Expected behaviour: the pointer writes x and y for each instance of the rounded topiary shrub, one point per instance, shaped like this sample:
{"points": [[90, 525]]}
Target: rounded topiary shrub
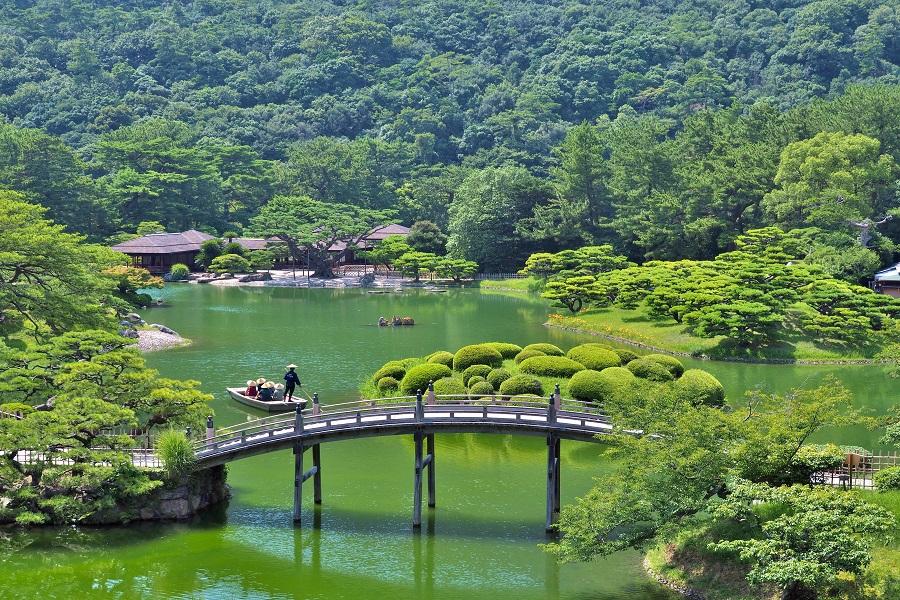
{"points": [[626, 356], [179, 272], [474, 379], [474, 370], [477, 354], [672, 364], [441, 357], [526, 354], [887, 480], [449, 386], [647, 369], [497, 377], [600, 386], [418, 377], [548, 349], [551, 366], [387, 384], [699, 387], [505, 349], [518, 385], [393, 368], [481, 389], [594, 357]]}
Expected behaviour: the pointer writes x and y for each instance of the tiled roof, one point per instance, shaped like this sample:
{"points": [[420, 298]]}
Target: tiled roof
{"points": [[252, 243], [164, 243], [376, 235]]}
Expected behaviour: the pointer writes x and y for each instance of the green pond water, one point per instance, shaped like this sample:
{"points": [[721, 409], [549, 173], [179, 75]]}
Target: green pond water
{"points": [[480, 542]]}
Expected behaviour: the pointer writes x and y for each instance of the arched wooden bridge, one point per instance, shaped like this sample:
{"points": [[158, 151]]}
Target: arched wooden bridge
{"points": [[421, 417]]}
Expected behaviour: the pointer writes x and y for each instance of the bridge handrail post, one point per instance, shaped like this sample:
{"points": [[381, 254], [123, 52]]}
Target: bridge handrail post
{"points": [[298, 418], [551, 409], [431, 397], [316, 408], [420, 410], [210, 429], [557, 397]]}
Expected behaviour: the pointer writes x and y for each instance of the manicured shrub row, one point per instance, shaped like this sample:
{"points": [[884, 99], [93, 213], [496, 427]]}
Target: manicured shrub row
{"points": [[393, 369], [475, 379], [526, 354], [600, 386], [594, 357], [497, 377], [481, 389], [887, 480], [387, 384], [551, 366], [505, 349], [418, 377], [476, 354], [648, 369], [699, 387], [518, 385], [672, 364], [442, 357], [548, 349], [480, 370], [449, 386]]}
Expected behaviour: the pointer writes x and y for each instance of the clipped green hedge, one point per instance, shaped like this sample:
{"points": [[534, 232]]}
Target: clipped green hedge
{"points": [[672, 364], [393, 368], [888, 479], [505, 349], [449, 386], [475, 379], [474, 370], [600, 386], [548, 349], [699, 387], [594, 357], [551, 366], [418, 377], [521, 384], [387, 384], [476, 354], [648, 369], [497, 377], [625, 355], [526, 354], [481, 389], [441, 357]]}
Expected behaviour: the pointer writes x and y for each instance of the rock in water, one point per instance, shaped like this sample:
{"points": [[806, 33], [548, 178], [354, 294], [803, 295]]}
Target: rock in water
{"points": [[163, 329]]}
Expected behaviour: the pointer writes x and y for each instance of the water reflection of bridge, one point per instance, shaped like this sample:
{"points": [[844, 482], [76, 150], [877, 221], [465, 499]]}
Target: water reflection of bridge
{"points": [[421, 417]]}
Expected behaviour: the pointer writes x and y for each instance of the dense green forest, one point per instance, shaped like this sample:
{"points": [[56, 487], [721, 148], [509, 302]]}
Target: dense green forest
{"points": [[666, 129]]}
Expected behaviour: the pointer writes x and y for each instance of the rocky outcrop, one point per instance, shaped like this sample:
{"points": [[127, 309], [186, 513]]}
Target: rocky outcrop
{"points": [[174, 501], [262, 276]]}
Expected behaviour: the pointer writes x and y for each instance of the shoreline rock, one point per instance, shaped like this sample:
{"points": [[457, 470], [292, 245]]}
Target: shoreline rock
{"points": [[687, 592], [153, 340]]}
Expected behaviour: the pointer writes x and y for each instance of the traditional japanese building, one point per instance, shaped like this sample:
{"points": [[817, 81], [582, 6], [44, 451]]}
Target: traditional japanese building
{"points": [[157, 252]]}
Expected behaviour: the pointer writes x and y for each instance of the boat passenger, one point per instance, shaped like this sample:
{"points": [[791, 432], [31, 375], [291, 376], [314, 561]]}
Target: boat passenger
{"points": [[267, 393], [259, 384], [279, 392], [251, 389], [382, 322]]}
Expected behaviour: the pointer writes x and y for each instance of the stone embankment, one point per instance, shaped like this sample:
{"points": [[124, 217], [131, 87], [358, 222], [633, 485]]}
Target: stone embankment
{"points": [[152, 337]]}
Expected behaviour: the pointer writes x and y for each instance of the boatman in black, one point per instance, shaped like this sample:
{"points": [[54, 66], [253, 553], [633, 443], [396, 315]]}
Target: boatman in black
{"points": [[291, 380]]}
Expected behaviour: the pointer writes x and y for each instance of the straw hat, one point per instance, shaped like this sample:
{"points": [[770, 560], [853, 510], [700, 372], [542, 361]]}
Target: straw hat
{"points": [[251, 382], [279, 386], [269, 384], [261, 380], [292, 366]]}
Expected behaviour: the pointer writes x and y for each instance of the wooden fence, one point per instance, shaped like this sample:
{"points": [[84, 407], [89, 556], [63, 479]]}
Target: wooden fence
{"points": [[858, 471]]}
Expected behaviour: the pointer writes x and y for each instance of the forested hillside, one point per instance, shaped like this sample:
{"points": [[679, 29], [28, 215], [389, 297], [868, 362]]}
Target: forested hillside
{"points": [[460, 112]]}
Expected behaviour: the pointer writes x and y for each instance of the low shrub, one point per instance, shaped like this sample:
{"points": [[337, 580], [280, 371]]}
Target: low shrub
{"points": [[481, 389], [699, 387], [481, 370], [229, 263], [548, 349], [442, 357], [626, 356], [497, 377], [672, 364], [810, 459], [888, 479], [505, 349], [475, 379], [526, 354], [392, 368], [387, 384], [176, 452], [449, 386], [647, 369], [521, 384], [179, 272], [594, 357], [418, 377], [476, 354], [600, 386], [551, 366]]}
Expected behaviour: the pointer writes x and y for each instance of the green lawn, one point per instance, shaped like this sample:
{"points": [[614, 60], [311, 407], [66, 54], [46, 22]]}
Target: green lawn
{"points": [[637, 327], [527, 286]]}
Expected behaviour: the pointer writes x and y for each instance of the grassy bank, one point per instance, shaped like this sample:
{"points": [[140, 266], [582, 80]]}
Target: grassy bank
{"points": [[637, 327], [521, 287], [687, 563]]}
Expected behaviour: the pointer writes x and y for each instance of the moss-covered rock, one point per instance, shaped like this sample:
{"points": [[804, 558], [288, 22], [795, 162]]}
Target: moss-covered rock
{"points": [[674, 366], [521, 384], [476, 354], [548, 349], [594, 357], [650, 370], [551, 366], [699, 387], [474, 370], [505, 349], [418, 377], [441, 357]]}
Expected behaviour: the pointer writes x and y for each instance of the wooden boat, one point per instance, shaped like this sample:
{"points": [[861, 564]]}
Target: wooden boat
{"points": [[279, 406]]}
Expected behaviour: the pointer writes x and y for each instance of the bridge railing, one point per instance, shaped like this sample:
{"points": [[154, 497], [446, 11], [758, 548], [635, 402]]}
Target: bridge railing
{"points": [[359, 410]]}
